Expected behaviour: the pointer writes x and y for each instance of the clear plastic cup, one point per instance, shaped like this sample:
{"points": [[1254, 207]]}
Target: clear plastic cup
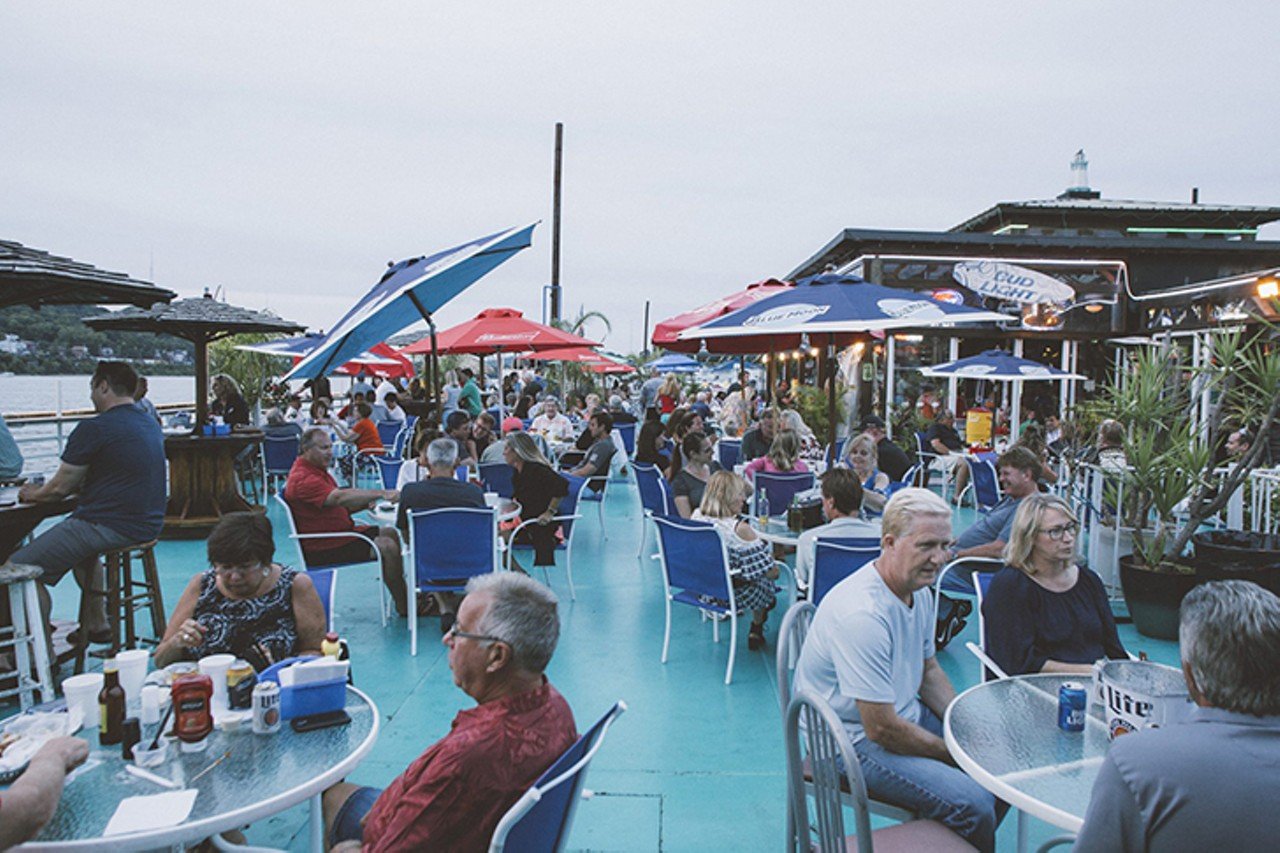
{"points": [[144, 757]]}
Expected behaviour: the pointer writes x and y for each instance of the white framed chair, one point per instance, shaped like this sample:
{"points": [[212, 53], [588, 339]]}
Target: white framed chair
{"points": [[567, 517], [695, 563], [820, 762], [384, 599]]}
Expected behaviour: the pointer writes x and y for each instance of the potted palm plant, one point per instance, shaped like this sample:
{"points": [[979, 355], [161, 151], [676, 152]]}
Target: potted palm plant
{"points": [[1172, 484]]}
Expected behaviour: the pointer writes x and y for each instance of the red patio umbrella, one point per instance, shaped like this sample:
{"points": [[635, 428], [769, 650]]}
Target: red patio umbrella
{"points": [[389, 364], [590, 359], [498, 330], [664, 334]]}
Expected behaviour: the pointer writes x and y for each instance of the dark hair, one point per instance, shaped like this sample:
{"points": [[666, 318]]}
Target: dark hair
{"points": [[363, 409], [691, 444], [842, 487], [522, 407], [1021, 458], [241, 538], [455, 420], [487, 419], [675, 423], [603, 418], [427, 433], [392, 395], [120, 377]]}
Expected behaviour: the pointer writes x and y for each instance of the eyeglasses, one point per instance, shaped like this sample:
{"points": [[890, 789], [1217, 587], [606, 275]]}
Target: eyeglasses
{"points": [[453, 633], [1056, 533]]}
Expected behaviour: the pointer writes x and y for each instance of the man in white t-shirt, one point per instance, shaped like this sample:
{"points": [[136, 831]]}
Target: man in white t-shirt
{"points": [[842, 505], [870, 654]]}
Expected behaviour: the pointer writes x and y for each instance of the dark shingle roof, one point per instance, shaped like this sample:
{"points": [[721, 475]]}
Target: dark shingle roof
{"points": [[186, 318], [33, 277]]}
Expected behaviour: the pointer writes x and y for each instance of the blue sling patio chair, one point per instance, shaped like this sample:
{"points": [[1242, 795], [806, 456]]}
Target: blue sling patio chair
{"points": [[389, 431], [566, 516], [779, 489], [627, 432], [655, 497], [984, 483], [384, 599], [541, 819], [728, 451], [279, 452], [389, 469], [695, 572], [448, 547], [834, 559], [497, 477]]}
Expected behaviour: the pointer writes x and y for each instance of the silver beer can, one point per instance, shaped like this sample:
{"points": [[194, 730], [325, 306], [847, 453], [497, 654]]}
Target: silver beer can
{"points": [[266, 708]]}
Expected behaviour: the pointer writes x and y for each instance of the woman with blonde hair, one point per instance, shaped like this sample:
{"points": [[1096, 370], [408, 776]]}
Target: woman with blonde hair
{"points": [[862, 456], [783, 457], [538, 489], [1042, 611], [750, 557], [668, 394]]}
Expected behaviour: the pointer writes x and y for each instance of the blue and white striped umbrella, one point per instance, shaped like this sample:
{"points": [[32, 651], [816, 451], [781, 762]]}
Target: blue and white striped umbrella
{"points": [[408, 292], [998, 365], [674, 362]]}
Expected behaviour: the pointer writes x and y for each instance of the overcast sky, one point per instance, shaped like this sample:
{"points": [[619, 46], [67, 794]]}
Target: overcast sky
{"points": [[286, 151]]}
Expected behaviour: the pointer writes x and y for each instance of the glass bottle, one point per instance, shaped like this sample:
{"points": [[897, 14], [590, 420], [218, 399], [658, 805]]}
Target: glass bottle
{"points": [[110, 706]]}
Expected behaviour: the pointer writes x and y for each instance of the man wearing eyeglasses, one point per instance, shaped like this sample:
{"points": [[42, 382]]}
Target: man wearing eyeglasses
{"points": [[453, 795]]}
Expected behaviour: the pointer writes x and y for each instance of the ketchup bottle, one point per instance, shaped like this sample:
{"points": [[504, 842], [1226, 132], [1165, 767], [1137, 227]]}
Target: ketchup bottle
{"points": [[192, 714]]}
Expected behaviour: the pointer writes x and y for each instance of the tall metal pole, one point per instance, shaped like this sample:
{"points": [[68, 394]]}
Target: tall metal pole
{"points": [[555, 226], [644, 345]]}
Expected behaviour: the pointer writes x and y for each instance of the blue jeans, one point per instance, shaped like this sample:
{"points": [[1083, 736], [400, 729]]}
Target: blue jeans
{"points": [[930, 788], [347, 824]]}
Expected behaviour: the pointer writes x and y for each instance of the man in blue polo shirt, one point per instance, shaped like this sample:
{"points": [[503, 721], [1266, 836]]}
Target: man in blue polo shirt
{"points": [[115, 463]]}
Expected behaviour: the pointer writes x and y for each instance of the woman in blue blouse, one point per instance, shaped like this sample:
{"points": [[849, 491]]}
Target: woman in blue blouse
{"points": [[1042, 612], [864, 459]]}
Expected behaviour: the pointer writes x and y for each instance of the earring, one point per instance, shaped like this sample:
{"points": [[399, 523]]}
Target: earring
{"points": [[266, 572]]}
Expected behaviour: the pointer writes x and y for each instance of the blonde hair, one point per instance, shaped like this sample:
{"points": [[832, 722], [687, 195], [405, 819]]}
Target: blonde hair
{"points": [[784, 450], [908, 504], [724, 494], [863, 440], [1026, 524], [670, 386], [523, 446]]}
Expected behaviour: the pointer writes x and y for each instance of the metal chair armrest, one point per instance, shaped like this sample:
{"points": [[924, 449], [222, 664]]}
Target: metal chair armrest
{"points": [[985, 660]]}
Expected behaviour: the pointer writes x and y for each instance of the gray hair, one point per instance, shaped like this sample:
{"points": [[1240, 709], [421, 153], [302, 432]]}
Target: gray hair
{"points": [[523, 614], [442, 453], [908, 504], [309, 438], [1230, 638], [275, 417]]}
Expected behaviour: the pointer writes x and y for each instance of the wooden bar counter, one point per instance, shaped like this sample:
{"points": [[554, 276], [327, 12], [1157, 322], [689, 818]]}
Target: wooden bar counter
{"points": [[202, 481]]}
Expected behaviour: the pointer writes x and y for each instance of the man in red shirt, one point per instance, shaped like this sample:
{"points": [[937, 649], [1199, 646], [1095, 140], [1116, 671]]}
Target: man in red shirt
{"points": [[319, 506], [454, 794]]}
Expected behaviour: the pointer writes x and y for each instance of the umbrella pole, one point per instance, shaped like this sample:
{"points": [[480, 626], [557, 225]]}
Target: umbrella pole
{"points": [[433, 371], [202, 382], [831, 393]]}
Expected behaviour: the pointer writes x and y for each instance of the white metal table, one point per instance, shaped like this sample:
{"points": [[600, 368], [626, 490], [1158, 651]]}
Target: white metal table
{"points": [[1005, 735], [262, 776]]}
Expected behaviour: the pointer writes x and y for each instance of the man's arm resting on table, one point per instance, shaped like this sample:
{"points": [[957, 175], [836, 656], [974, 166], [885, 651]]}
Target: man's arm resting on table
{"points": [[936, 691], [64, 482], [886, 728], [31, 801], [358, 499]]}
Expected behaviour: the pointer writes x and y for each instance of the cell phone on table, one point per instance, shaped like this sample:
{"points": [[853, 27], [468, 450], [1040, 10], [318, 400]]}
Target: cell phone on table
{"points": [[315, 722]]}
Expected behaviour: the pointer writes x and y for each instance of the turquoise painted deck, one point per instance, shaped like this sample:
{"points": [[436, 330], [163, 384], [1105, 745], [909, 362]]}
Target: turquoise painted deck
{"points": [[693, 764]]}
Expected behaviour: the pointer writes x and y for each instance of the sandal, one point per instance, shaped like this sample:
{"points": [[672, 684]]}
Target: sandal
{"points": [[755, 637]]}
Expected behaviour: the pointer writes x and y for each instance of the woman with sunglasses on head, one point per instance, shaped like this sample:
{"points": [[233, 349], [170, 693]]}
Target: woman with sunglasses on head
{"points": [[1042, 611], [244, 604]]}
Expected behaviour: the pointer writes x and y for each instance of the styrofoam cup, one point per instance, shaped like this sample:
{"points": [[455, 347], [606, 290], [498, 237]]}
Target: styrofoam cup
{"points": [[216, 666], [82, 697], [491, 498], [132, 665]]}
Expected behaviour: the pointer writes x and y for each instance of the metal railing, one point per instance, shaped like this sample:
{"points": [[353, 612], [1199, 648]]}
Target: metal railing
{"points": [[42, 436]]}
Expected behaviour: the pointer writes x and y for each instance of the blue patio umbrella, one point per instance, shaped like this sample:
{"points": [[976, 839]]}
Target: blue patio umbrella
{"points": [[674, 362], [409, 291], [1000, 366], [834, 305], [837, 304]]}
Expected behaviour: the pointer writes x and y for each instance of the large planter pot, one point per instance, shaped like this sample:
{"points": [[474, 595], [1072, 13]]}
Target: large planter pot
{"points": [[1222, 555], [1154, 597]]}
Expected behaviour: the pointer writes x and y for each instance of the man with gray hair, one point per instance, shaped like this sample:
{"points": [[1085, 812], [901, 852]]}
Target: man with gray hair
{"points": [[870, 654], [453, 795], [1208, 782]]}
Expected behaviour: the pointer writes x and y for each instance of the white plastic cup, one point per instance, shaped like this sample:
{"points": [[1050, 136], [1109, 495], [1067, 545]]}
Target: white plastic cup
{"points": [[150, 705], [492, 498], [82, 697], [132, 665], [216, 666]]}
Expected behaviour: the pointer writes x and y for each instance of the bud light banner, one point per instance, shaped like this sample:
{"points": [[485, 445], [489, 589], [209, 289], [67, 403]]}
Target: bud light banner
{"points": [[1011, 283]]}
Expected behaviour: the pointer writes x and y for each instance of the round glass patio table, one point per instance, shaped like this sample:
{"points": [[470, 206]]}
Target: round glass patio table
{"points": [[263, 776], [386, 516], [775, 531], [1005, 735]]}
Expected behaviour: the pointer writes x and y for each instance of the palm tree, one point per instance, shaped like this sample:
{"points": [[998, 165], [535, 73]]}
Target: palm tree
{"points": [[574, 376]]}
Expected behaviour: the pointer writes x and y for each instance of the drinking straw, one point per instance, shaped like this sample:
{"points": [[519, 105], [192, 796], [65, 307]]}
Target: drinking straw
{"points": [[160, 730]]}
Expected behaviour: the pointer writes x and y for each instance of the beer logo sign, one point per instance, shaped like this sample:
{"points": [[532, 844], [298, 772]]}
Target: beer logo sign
{"points": [[915, 309], [801, 312], [1010, 282], [496, 338]]}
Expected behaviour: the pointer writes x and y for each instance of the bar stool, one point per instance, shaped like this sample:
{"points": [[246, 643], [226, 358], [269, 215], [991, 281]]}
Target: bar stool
{"points": [[125, 595], [27, 635]]}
